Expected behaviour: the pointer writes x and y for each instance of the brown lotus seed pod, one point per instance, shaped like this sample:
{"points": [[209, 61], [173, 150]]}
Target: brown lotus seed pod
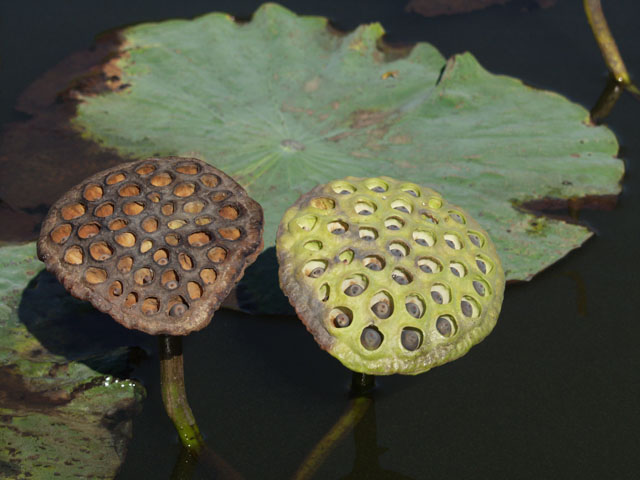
{"points": [[131, 240], [388, 276]]}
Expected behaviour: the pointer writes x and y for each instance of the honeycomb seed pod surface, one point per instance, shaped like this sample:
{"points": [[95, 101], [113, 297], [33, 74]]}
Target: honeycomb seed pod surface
{"points": [[387, 275], [157, 244]]}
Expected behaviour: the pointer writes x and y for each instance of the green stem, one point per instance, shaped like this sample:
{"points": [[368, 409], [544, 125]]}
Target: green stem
{"points": [[608, 47], [606, 101], [174, 395], [361, 388]]}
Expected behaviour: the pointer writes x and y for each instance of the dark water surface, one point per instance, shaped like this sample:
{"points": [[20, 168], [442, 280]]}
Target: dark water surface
{"points": [[553, 392]]}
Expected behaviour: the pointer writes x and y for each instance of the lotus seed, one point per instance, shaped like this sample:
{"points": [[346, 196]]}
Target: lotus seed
{"points": [[342, 320], [450, 243], [422, 241], [402, 209], [354, 290], [396, 252], [426, 268], [338, 231], [474, 239], [482, 266], [382, 309], [316, 272], [171, 284], [479, 287], [400, 278], [371, 338], [466, 307], [393, 226], [413, 309], [378, 189], [412, 193], [410, 339], [437, 297], [455, 271], [178, 309], [456, 217], [443, 325]]}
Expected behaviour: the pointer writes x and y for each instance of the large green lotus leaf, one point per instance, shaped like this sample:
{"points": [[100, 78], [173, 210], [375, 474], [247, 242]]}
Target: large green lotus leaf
{"points": [[283, 103], [58, 418]]}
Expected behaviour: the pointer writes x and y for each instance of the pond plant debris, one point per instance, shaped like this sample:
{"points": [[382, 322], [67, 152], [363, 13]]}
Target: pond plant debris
{"points": [[157, 244]]}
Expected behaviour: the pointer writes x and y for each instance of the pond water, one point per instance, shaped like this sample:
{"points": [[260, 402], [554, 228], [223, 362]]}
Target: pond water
{"points": [[553, 392]]}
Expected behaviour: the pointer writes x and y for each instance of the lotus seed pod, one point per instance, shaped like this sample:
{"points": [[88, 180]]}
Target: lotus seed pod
{"points": [[157, 244], [388, 276]]}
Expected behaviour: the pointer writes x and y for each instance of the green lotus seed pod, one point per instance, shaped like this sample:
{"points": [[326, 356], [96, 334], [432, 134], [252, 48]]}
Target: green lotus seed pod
{"points": [[387, 275]]}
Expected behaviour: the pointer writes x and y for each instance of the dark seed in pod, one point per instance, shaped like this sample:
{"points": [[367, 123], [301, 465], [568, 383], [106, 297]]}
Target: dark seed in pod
{"points": [[412, 193], [426, 268], [171, 284], [338, 231], [393, 227], [443, 325], [375, 266], [456, 217], [163, 261], [367, 237], [353, 290], [454, 271], [450, 244], [410, 339], [365, 212], [316, 272], [437, 297], [479, 287], [344, 192], [178, 309], [482, 266], [396, 252], [342, 320], [371, 338], [475, 240], [413, 310], [402, 209], [378, 189], [382, 309], [422, 241], [466, 308], [401, 279]]}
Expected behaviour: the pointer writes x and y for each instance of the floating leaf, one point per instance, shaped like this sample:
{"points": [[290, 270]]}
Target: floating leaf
{"points": [[58, 418]]}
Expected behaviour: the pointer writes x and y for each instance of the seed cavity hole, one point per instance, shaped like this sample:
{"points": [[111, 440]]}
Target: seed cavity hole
{"points": [[402, 206], [125, 264], [371, 338], [95, 275], [476, 239], [177, 307], [168, 209], [374, 263], [469, 307], [367, 233], [453, 241], [73, 255], [401, 277], [93, 192], [204, 220], [307, 222], [150, 306], [458, 269], [434, 203], [346, 257], [194, 290], [208, 275], [480, 287], [176, 224], [230, 233], [315, 268], [483, 264], [185, 261], [209, 180], [118, 224], [61, 233], [161, 257], [229, 212], [100, 251], [145, 169], [323, 203], [220, 196], [313, 245], [126, 239], [115, 289], [104, 210], [133, 208], [381, 304], [130, 190], [73, 211], [161, 179], [188, 168], [412, 190], [365, 208], [430, 218], [150, 224], [376, 185], [457, 217], [393, 223], [195, 206], [115, 178], [343, 188], [338, 227], [217, 254], [131, 300], [324, 292], [424, 238], [185, 189], [415, 306], [143, 276], [170, 280], [440, 294], [398, 249], [172, 239], [354, 286], [145, 246], [199, 239], [429, 265]]}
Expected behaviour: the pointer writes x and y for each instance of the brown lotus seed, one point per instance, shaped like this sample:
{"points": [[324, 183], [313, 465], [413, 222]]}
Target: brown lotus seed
{"points": [[167, 209], [229, 233], [117, 224], [89, 230], [104, 210], [195, 206], [144, 276], [208, 276], [145, 169], [130, 190], [161, 257], [194, 290], [210, 180], [150, 306], [125, 264], [161, 180], [115, 289], [95, 275], [74, 255], [187, 168], [93, 192], [131, 300], [150, 224], [217, 254], [184, 189], [199, 239], [61, 234], [186, 262], [115, 178], [100, 251], [133, 208], [126, 239]]}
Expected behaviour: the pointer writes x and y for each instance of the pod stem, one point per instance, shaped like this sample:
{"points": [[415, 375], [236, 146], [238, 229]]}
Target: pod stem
{"points": [[361, 388], [174, 395], [607, 44]]}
